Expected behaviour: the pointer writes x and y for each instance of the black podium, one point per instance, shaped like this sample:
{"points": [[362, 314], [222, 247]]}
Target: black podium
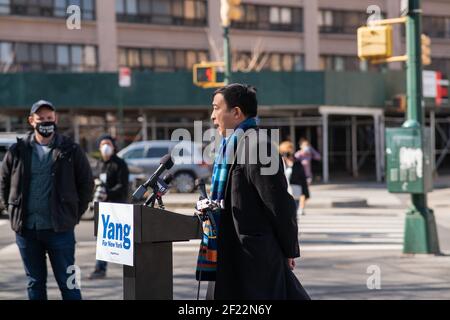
{"points": [[151, 277]]}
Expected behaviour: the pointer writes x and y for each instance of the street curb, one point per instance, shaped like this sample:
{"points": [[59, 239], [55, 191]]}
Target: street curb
{"points": [[327, 205]]}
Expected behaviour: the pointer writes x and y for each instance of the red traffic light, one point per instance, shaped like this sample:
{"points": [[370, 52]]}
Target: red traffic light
{"points": [[205, 74]]}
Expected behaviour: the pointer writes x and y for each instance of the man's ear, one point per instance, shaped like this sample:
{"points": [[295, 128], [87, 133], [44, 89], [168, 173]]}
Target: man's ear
{"points": [[56, 118], [238, 112], [31, 120]]}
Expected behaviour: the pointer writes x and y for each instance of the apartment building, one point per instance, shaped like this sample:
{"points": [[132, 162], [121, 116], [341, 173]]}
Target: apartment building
{"points": [[172, 35]]}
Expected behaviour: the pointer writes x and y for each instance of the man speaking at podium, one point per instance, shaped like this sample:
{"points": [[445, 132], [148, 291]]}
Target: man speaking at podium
{"points": [[255, 230]]}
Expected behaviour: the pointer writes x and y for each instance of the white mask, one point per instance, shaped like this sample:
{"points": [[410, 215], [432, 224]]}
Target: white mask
{"points": [[106, 150]]}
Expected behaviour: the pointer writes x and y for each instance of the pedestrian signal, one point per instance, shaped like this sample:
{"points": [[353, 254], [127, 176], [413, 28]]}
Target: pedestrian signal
{"points": [[375, 42], [205, 74]]}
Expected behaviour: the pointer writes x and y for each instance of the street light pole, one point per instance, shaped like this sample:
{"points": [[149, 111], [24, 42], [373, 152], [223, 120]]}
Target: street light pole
{"points": [[420, 225], [227, 54]]}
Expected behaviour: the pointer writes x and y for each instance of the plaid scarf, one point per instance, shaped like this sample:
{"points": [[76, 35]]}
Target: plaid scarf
{"points": [[207, 258]]}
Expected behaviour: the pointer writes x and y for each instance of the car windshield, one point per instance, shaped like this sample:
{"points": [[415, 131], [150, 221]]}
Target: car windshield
{"points": [[136, 153], [157, 152]]}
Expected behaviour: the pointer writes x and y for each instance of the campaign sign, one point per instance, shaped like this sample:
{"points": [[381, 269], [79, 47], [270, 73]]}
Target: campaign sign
{"points": [[115, 233]]}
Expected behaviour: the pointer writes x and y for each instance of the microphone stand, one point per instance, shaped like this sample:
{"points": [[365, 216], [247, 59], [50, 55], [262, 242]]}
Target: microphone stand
{"points": [[150, 202]]}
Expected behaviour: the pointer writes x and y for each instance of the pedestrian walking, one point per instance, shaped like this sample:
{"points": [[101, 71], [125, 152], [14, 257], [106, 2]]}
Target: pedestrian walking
{"points": [[306, 155], [46, 185], [294, 172]]}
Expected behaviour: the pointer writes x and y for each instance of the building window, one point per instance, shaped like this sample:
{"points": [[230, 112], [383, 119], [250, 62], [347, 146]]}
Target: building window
{"points": [[22, 57], [268, 61], [47, 8], [436, 27], [160, 60], [338, 21], [345, 63], [276, 18], [440, 64], [6, 56], [165, 12]]}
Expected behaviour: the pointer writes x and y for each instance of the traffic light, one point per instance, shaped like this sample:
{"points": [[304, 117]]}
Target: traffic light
{"points": [[426, 50], [230, 10], [375, 42], [205, 74]]}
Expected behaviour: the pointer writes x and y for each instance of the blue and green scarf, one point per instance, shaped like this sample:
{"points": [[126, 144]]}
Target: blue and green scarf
{"points": [[207, 258]]}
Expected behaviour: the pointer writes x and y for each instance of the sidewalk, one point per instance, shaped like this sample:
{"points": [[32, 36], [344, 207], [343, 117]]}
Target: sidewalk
{"points": [[322, 196], [340, 272]]}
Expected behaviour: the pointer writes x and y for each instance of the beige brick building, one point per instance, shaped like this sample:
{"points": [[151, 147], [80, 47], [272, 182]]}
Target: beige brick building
{"points": [[172, 35], [165, 35]]}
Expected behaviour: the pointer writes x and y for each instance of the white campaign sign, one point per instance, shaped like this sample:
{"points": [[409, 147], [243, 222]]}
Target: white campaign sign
{"points": [[115, 233], [429, 84]]}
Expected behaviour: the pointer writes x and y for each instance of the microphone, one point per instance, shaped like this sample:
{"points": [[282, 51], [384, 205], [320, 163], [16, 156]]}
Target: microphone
{"points": [[160, 189], [166, 163], [202, 189], [163, 184]]}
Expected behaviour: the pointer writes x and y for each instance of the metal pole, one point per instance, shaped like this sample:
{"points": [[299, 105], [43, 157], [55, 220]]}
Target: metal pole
{"points": [[348, 147], [354, 148], [433, 140], [382, 146], [76, 128], [376, 123], [292, 130], [227, 54], [420, 227], [325, 147], [120, 139], [144, 127]]}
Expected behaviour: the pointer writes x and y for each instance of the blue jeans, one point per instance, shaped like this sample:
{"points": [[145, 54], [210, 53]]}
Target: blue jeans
{"points": [[60, 247], [101, 265]]}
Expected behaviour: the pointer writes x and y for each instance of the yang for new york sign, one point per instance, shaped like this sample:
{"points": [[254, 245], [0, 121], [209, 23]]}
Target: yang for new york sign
{"points": [[115, 233]]}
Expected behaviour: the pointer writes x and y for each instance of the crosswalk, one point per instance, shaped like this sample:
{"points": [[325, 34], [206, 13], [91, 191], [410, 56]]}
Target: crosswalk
{"points": [[340, 232], [326, 232]]}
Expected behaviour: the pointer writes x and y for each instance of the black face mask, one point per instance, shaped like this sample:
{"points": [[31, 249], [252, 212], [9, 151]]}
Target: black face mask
{"points": [[46, 129]]}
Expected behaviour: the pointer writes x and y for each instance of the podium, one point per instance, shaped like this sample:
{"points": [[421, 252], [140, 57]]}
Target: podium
{"points": [[151, 277]]}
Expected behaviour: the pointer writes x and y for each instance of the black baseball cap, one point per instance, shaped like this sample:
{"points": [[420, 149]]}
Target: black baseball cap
{"points": [[41, 103]]}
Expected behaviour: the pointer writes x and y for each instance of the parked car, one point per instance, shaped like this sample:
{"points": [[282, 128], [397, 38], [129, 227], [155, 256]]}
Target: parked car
{"points": [[187, 156]]}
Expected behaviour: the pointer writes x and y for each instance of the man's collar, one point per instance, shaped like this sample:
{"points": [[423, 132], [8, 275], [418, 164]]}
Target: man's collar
{"points": [[51, 144]]}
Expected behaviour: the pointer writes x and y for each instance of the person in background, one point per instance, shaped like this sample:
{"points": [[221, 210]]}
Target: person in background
{"points": [[306, 155], [295, 174], [46, 185], [111, 185]]}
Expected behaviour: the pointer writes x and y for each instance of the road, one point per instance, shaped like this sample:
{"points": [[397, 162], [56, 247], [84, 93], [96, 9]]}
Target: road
{"points": [[341, 249]]}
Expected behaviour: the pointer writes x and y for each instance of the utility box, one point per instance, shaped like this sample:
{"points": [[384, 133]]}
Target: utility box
{"points": [[408, 160]]}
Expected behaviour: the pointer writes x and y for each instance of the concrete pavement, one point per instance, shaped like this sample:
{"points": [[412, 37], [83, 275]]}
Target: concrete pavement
{"points": [[341, 249]]}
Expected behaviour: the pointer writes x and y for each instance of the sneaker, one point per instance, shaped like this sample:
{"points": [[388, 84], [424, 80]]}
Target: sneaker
{"points": [[98, 274]]}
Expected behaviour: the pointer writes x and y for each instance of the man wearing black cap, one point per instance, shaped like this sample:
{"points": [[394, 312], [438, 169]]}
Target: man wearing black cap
{"points": [[46, 184], [112, 185]]}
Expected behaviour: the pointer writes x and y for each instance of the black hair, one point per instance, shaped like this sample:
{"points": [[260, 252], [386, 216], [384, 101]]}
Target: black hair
{"points": [[242, 96]]}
